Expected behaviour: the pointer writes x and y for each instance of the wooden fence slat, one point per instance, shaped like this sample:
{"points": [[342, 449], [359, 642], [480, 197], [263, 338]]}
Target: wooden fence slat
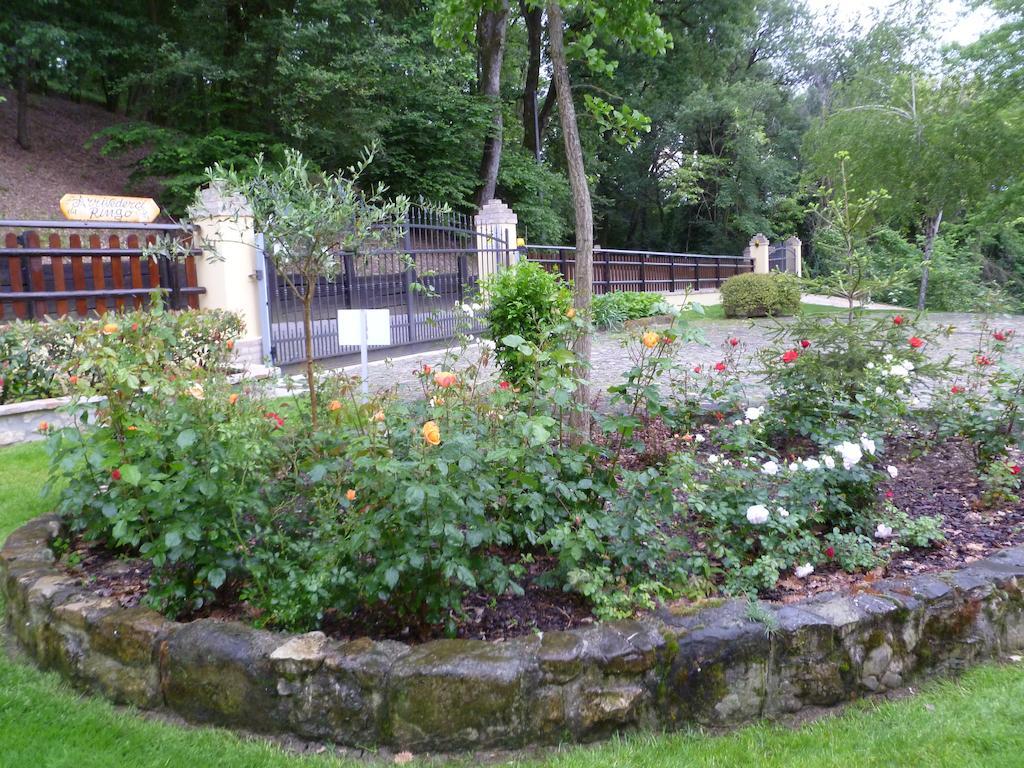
{"points": [[116, 274], [20, 308], [36, 279], [78, 275], [98, 280], [57, 265], [191, 280], [152, 265], [136, 269]]}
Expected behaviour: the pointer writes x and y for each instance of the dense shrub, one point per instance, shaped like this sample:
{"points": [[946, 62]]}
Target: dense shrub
{"points": [[526, 301], [833, 377], [751, 295], [611, 310], [45, 359]]}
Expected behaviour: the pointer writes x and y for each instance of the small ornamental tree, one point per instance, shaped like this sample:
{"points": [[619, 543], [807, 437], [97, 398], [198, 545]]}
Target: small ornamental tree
{"points": [[308, 219]]}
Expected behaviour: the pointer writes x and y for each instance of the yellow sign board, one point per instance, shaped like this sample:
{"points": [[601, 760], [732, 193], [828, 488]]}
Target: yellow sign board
{"points": [[141, 210]]}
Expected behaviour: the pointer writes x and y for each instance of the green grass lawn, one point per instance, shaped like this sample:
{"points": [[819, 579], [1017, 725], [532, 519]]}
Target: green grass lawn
{"points": [[975, 721]]}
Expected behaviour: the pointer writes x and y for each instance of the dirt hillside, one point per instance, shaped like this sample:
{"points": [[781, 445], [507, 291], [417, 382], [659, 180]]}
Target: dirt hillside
{"points": [[32, 182]]}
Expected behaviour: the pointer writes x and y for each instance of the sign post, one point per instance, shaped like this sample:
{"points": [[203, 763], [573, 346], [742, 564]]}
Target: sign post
{"points": [[364, 328]]}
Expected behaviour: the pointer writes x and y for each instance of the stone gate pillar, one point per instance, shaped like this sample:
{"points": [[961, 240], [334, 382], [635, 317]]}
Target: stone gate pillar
{"points": [[495, 220], [796, 245], [759, 253], [224, 230]]}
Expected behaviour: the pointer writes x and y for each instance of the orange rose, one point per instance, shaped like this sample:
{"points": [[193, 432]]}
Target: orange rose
{"points": [[650, 339], [378, 416], [230, 345], [73, 379], [432, 433], [570, 312], [43, 426], [232, 398], [334, 405], [350, 494], [196, 390], [445, 379], [110, 328]]}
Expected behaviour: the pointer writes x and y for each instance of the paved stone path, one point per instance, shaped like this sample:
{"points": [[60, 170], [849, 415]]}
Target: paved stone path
{"points": [[610, 361]]}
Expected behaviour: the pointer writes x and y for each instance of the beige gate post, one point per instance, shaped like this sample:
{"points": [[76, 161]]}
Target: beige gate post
{"points": [[495, 219], [795, 243], [225, 232], [759, 253]]}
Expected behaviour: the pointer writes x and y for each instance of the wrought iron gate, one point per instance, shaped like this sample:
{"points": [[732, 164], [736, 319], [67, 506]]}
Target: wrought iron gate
{"points": [[782, 258], [437, 266]]}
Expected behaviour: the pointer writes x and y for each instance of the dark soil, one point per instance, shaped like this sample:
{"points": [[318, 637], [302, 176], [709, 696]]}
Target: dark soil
{"points": [[943, 481]]}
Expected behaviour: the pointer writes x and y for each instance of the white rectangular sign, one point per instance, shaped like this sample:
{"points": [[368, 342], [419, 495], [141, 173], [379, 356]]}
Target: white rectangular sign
{"points": [[378, 327]]}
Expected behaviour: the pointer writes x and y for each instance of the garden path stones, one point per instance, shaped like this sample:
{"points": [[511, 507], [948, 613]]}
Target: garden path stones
{"points": [[715, 666], [609, 361]]}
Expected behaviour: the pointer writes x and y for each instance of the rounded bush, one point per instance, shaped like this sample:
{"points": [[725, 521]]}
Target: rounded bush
{"points": [[776, 294]]}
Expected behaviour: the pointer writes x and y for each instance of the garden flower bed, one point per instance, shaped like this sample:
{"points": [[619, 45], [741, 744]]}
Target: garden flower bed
{"points": [[506, 511]]}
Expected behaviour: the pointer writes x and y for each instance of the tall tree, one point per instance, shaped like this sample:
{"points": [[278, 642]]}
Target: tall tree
{"points": [[491, 29]]}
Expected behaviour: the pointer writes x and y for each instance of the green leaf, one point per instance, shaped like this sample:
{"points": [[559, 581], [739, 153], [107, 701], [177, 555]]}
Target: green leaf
{"points": [[130, 474], [414, 496], [513, 340], [172, 539], [216, 577], [187, 439], [391, 577]]}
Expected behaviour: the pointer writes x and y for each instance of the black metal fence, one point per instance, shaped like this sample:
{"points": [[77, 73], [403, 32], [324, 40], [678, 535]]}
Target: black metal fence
{"points": [[436, 267], [782, 258], [661, 271]]}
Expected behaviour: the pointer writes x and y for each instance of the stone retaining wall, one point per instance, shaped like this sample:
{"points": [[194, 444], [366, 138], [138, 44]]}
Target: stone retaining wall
{"points": [[714, 667]]}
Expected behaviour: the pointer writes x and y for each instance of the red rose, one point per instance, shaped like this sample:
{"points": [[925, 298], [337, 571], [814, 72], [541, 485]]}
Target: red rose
{"points": [[278, 421], [1015, 469], [999, 336], [115, 474], [898, 320], [790, 356], [956, 390], [890, 495], [983, 360], [719, 367], [734, 341], [696, 369], [805, 343], [504, 385], [916, 342], [830, 552], [135, 326], [426, 370]]}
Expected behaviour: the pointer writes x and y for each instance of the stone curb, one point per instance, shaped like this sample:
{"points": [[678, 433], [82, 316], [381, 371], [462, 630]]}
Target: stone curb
{"points": [[714, 667]]}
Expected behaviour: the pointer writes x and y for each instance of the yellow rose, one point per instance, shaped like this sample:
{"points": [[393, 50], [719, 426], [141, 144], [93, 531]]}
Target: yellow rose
{"points": [[110, 328], [350, 494], [334, 405], [432, 433], [570, 312], [445, 378], [650, 339]]}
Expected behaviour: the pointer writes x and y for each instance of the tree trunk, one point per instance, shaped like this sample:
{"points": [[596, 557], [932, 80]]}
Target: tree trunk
{"points": [[931, 232], [307, 326], [24, 139], [490, 34], [531, 120], [584, 214]]}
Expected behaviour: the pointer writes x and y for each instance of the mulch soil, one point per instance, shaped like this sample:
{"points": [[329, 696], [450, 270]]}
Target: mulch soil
{"points": [[942, 481]]}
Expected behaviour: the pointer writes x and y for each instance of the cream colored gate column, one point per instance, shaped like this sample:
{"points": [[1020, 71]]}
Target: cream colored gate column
{"points": [[495, 220], [759, 253], [225, 232]]}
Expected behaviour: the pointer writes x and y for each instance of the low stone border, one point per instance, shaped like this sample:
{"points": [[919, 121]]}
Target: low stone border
{"points": [[19, 422], [714, 667]]}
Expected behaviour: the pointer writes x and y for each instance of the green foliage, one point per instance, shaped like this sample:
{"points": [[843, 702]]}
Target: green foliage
{"points": [[39, 359], [611, 310], [836, 377], [527, 302], [752, 295]]}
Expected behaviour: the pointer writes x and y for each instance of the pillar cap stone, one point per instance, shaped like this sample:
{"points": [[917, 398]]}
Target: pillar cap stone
{"points": [[213, 201], [758, 240], [496, 212]]}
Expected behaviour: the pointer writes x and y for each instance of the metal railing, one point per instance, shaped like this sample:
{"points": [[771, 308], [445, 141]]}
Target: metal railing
{"points": [[655, 271]]}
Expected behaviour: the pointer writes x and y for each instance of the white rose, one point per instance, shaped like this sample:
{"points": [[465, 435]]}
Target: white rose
{"points": [[893, 472], [754, 413], [879, 390], [868, 444], [699, 438], [713, 458], [770, 468], [783, 512], [883, 531], [851, 454], [830, 463], [870, 366], [738, 422], [757, 514], [812, 464], [803, 571], [793, 467]]}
